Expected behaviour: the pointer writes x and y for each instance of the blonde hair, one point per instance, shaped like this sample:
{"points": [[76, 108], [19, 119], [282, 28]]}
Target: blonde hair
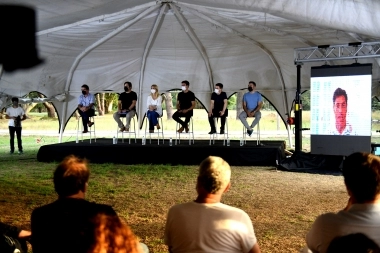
{"points": [[214, 174], [156, 94], [111, 235]]}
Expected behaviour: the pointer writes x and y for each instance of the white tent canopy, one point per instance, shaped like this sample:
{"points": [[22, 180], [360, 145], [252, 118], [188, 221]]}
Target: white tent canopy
{"points": [[103, 43]]}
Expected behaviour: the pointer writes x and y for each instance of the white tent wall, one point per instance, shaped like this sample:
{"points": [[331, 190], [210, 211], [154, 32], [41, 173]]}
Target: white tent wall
{"points": [[104, 43]]}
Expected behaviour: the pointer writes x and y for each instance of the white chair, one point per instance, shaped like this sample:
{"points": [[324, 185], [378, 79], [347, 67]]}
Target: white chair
{"points": [[132, 129], [91, 130], [190, 133], [212, 136], [257, 130], [158, 131]]}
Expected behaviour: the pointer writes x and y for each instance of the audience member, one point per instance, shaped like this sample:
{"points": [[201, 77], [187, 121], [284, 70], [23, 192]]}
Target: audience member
{"points": [[13, 238], [357, 243], [60, 226], [361, 172], [107, 234], [206, 225]]}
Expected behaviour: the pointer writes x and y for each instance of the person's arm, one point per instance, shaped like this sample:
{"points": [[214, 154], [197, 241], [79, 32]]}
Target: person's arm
{"points": [[191, 107], [258, 107], [148, 106], [132, 105], [255, 249], [8, 116], [25, 234], [225, 102], [211, 108]]}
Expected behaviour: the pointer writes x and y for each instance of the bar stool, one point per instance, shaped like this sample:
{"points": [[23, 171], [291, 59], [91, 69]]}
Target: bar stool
{"points": [[123, 119], [212, 136], [258, 143], [159, 131], [91, 130], [190, 133]]}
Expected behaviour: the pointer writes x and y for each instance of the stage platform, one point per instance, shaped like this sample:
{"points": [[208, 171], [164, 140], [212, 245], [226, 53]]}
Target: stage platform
{"points": [[103, 151]]}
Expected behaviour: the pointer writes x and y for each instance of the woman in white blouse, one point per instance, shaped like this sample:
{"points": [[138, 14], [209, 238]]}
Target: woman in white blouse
{"points": [[153, 104]]}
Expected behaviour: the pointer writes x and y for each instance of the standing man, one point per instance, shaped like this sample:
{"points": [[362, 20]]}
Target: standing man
{"points": [[126, 107], [15, 114], [86, 107], [252, 103], [185, 106], [205, 224], [342, 127], [218, 108]]}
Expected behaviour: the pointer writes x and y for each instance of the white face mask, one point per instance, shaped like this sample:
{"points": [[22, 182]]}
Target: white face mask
{"points": [[216, 91], [153, 91], [183, 88]]}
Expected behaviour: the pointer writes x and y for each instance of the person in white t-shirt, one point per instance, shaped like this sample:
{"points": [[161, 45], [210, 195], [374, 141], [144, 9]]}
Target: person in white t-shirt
{"points": [[154, 108], [205, 224], [15, 114], [361, 172]]}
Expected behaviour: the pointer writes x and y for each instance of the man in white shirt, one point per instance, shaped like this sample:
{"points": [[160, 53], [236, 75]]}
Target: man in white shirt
{"points": [[361, 172], [15, 114], [206, 225]]}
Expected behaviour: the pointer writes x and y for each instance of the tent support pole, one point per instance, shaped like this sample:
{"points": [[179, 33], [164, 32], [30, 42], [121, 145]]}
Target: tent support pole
{"points": [[298, 112]]}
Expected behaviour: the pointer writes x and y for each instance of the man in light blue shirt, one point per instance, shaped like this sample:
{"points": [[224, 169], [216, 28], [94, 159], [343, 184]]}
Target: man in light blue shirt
{"points": [[252, 103], [86, 107]]}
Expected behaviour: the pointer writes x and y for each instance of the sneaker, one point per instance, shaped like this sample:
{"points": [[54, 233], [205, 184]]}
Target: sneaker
{"points": [[90, 124], [249, 132], [122, 129], [221, 131], [180, 130], [127, 129], [158, 126], [212, 132], [187, 129], [151, 131], [11, 152], [85, 131], [20, 152]]}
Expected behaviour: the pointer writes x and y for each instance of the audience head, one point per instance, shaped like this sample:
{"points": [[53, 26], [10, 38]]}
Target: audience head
{"points": [[107, 234], [358, 243], [214, 175], [361, 173], [71, 176]]}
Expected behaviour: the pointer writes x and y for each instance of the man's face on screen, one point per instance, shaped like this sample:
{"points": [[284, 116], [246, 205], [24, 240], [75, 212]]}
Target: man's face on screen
{"points": [[340, 111]]}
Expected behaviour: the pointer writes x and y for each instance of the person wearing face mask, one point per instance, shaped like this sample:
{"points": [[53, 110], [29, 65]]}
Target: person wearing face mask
{"points": [[126, 107], [185, 106], [15, 114], [86, 108], [218, 108], [252, 103], [154, 107]]}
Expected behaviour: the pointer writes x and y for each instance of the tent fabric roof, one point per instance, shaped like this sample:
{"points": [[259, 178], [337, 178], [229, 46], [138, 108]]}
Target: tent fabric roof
{"points": [[104, 43]]}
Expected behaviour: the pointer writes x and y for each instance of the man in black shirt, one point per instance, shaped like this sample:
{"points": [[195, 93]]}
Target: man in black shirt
{"points": [[185, 106], [62, 226], [218, 108], [126, 107]]}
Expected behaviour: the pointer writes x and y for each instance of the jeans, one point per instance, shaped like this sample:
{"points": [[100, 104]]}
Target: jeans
{"points": [[153, 119], [176, 116], [243, 119], [85, 117], [12, 131]]}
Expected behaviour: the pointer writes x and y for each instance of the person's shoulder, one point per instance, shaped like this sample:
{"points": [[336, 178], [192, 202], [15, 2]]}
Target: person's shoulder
{"points": [[181, 206], [45, 209]]}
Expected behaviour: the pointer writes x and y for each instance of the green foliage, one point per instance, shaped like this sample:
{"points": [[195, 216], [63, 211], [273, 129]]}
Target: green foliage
{"points": [[305, 97], [232, 102], [375, 104]]}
